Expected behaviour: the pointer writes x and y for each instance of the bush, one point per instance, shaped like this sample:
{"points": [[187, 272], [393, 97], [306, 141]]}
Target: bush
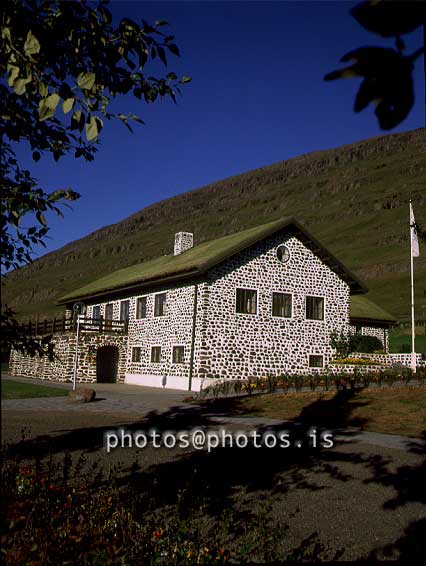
{"points": [[364, 344]]}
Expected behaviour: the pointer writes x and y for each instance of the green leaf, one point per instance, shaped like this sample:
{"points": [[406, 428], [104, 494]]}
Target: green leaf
{"points": [[13, 73], [86, 80], [32, 45], [67, 105], [174, 49], [43, 89], [77, 120], [19, 86], [47, 106], [162, 55], [171, 76], [186, 80], [93, 128], [389, 18], [40, 217]]}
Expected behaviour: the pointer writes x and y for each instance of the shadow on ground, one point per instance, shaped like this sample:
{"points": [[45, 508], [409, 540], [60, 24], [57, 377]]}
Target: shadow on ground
{"points": [[230, 479]]}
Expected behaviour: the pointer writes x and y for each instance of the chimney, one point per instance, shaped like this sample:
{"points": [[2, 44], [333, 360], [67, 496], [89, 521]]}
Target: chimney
{"points": [[183, 241]]}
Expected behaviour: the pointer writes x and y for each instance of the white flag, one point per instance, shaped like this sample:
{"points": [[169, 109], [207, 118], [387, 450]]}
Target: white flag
{"points": [[414, 239]]}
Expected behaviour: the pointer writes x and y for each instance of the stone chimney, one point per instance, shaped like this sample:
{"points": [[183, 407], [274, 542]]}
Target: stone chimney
{"points": [[183, 241]]}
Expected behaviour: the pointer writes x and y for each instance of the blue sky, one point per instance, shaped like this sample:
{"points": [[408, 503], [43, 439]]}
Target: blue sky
{"points": [[257, 97]]}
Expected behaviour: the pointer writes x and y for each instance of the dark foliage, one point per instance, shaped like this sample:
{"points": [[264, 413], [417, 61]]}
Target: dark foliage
{"points": [[386, 72], [61, 64]]}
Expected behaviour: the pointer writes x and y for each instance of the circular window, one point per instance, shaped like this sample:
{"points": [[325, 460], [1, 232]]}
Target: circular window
{"points": [[283, 253]]}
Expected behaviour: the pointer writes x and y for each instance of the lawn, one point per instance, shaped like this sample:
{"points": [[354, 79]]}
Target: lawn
{"points": [[402, 343], [16, 390], [399, 411]]}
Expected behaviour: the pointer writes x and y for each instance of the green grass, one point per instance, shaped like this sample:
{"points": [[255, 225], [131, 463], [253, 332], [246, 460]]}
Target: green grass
{"points": [[17, 390], [400, 340], [395, 410]]}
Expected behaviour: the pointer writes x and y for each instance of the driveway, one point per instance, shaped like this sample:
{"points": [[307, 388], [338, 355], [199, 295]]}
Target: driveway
{"points": [[110, 398]]}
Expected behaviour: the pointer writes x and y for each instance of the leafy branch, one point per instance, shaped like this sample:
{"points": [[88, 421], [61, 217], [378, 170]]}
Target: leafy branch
{"points": [[387, 73]]}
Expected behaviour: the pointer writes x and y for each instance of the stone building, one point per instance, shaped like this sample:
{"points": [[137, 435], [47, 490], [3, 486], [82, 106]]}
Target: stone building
{"points": [[259, 302]]}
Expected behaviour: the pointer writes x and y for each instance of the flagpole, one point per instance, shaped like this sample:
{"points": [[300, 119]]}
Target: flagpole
{"points": [[413, 350]]}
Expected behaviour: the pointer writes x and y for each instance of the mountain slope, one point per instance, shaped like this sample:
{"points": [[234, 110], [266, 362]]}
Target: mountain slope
{"points": [[354, 199]]}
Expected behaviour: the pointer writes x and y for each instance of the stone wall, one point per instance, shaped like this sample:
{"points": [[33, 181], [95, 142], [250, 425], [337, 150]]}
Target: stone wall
{"points": [[174, 328], [243, 345], [62, 368]]}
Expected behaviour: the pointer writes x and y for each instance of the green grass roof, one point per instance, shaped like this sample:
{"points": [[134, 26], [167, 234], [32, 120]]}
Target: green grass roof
{"points": [[362, 308], [200, 258]]}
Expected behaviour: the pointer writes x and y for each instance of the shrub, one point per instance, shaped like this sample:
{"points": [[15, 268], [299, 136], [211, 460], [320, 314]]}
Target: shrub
{"points": [[364, 344], [341, 343]]}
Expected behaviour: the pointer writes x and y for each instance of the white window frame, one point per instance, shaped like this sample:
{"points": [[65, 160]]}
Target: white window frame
{"points": [[150, 353], [292, 305], [153, 304], [325, 305], [136, 307], [316, 367], [257, 301], [171, 357]]}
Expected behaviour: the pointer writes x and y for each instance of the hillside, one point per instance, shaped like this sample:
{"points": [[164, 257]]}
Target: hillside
{"points": [[354, 199]]}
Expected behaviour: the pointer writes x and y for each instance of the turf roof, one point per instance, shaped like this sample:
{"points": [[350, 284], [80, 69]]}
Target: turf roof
{"points": [[199, 259], [362, 308]]}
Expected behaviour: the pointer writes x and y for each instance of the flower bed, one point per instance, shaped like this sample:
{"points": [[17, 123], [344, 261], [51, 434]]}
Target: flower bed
{"points": [[361, 375], [356, 362]]}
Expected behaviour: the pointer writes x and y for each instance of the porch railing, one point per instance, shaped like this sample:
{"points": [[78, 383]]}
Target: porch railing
{"points": [[63, 324]]}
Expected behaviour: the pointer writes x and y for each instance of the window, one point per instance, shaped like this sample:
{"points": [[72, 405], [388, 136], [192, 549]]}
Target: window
{"points": [[156, 354], [136, 354], [316, 361], [109, 315], [124, 310], [160, 304], [315, 308], [283, 253], [281, 304], [96, 312], [246, 301], [141, 307], [178, 354]]}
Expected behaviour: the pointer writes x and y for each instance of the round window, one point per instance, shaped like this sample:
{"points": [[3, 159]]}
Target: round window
{"points": [[283, 253]]}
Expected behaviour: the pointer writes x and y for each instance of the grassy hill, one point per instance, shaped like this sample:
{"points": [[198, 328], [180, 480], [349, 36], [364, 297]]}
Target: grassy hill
{"points": [[354, 199]]}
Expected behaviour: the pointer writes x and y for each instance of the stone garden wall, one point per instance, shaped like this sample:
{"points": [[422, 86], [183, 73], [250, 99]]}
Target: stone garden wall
{"points": [[62, 368]]}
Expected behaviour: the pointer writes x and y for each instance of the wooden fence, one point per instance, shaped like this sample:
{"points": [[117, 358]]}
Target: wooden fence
{"points": [[63, 324]]}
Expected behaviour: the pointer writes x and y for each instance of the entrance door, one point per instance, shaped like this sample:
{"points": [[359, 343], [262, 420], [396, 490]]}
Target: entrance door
{"points": [[107, 364]]}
